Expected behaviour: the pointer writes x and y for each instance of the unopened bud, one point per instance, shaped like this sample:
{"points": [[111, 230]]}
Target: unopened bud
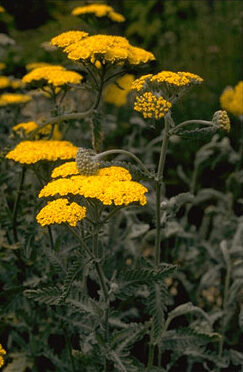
{"points": [[86, 162], [221, 119]]}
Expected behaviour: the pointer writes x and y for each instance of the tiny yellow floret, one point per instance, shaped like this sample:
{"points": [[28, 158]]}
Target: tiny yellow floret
{"points": [[60, 211]]}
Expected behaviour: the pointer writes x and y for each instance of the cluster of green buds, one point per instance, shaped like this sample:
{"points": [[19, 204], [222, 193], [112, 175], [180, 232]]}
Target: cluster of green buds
{"points": [[86, 161]]}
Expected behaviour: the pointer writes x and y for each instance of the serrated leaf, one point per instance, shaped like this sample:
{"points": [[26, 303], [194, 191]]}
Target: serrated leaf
{"points": [[47, 295], [55, 260], [186, 309], [156, 305], [72, 272]]}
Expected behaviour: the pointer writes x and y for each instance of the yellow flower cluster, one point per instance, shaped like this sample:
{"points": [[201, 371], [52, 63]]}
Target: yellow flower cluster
{"points": [[157, 93], [2, 352], [32, 65], [103, 49], [4, 82], [179, 79], [171, 79], [70, 169], [151, 106], [56, 76], [13, 99], [67, 38], [117, 93], [2, 65], [60, 211], [232, 99], [140, 83], [2, 10], [99, 10], [109, 185], [30, 152], [29, 126]]}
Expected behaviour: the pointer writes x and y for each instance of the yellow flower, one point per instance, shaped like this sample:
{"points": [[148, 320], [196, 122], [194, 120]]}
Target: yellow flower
{"points": [[16, 83], [2, 65], [139, 83], [32, 65], [105, 49], [157, 93], [67, 38], [60, 211], [53, 75], [13, 99], [70, 169], [2, 352], [4, 82], [99, 10], [2, 10], [116, 95], [109, 185], [232, 99], [30, 152], [29, 126], [151, 106]]}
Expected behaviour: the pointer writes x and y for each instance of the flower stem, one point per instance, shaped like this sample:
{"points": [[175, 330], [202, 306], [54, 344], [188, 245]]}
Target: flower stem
{"points": [[188, 122], [159, 180], [119, 151], [16, 204]]}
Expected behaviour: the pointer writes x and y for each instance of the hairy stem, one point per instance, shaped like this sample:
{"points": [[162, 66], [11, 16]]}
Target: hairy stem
{"points": [[225, 299], [119, 151], [188, 122], [159, 180], [16, 204]]}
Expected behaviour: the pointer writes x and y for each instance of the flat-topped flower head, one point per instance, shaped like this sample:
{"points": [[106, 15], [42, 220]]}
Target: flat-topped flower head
{"points": [[151, 106], [2, 352], [67, 38], [113, 172], [232, 99], [221, 119], [99, 10], [106, 49], [26, 127], [60, 211], [117, 92], [111, 185], [4, 82], [29, 126], [30, 152], [170, 85], [56, 76], [13, 99], [33, 65]]}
